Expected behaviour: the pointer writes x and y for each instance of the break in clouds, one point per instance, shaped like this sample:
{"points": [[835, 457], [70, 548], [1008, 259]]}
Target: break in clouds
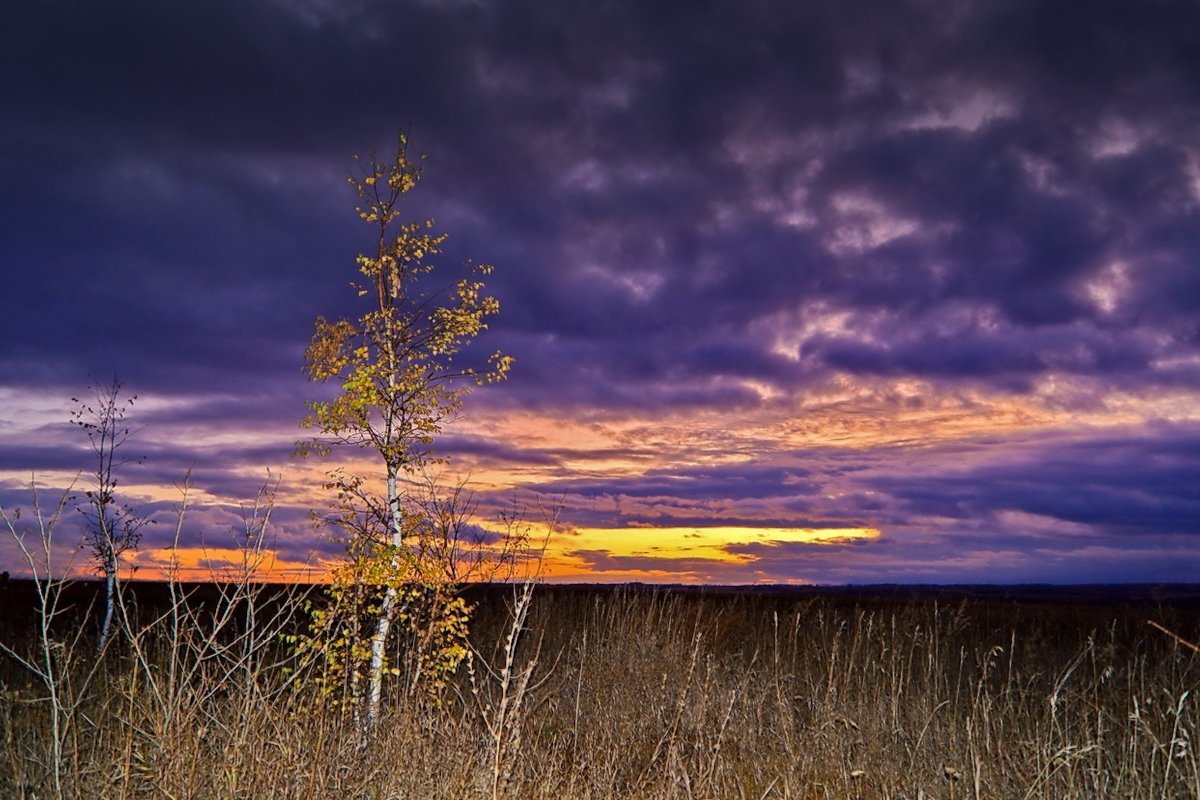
{"points": [[929, 268]]}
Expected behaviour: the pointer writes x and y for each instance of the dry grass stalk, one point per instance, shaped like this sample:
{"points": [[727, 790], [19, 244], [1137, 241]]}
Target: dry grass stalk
{"points": [[652, 695]]}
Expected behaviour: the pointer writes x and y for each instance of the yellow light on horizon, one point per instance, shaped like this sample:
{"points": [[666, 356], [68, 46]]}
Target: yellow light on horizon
{"points": [[699, 541], [672, 553]]}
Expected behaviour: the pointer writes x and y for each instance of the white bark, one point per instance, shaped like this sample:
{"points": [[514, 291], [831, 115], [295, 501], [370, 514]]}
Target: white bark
{"points": [[387, 610]]}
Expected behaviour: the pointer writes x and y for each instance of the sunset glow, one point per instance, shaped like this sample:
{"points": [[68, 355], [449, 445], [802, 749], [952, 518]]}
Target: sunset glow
{"points": [[908, 299], [691, 554]]}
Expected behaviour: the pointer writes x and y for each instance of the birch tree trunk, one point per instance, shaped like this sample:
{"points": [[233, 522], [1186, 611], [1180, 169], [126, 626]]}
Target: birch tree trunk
{"points": [[387, 610]]}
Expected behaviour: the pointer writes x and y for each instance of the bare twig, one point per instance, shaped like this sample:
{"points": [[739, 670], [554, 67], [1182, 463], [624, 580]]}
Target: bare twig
{"points": [[1175, 636]]}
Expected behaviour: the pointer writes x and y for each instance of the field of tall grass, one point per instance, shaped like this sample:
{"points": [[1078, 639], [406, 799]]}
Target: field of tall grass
{"points": [[574, 693]]}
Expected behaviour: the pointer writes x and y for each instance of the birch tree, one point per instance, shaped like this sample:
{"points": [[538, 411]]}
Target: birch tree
{"points": [[399, 382], [112, 528]]}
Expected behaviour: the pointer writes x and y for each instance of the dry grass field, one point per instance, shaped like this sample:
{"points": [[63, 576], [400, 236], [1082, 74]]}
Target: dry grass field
{"points": [[609, 693]]}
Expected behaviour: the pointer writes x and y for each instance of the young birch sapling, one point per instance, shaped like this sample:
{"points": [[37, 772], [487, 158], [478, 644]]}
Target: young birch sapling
{"points": [[399, 383], [112, 527]]}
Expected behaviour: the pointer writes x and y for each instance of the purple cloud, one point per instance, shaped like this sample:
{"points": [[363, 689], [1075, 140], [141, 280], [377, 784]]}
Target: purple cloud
{"points": [[729, 215]]}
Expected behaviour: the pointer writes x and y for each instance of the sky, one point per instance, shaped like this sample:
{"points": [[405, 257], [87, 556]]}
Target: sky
{"points": [[830, 291]]}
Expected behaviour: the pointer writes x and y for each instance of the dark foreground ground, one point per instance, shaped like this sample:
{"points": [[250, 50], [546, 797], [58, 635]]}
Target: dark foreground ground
{"points": [[630, 692], [17, 595]]}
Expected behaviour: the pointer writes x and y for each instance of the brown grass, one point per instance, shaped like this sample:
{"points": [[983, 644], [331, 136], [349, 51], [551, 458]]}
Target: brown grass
{"points": [[620, 694]]}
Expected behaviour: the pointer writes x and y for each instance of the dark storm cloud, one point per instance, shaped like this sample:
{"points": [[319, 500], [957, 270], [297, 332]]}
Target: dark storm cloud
{"points": [[965, 348], [178, 174], [749, 495], [680, 199], [732, 482], [42, 458], [1132, 484], [488, 452], [1013, 211], [872, 563], [1006, 501]]}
